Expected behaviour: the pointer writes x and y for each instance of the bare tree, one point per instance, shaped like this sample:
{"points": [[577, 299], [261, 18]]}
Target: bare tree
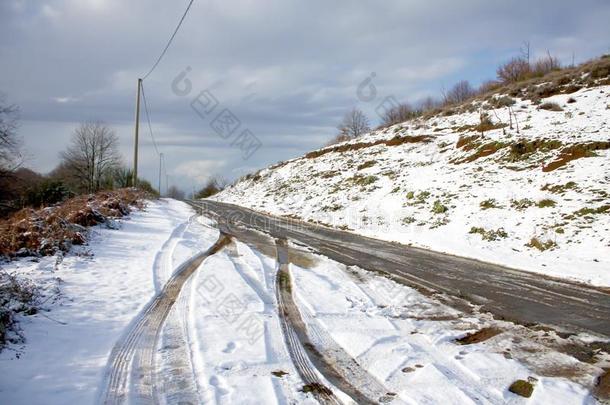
{"points": [[460, 92], [92, 156], [9, 142], [354, 124]]}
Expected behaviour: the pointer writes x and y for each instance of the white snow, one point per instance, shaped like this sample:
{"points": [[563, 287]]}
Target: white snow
{"points": [[388, 199], [389, 328], [226, 324], [101, 294], [233, 326]]}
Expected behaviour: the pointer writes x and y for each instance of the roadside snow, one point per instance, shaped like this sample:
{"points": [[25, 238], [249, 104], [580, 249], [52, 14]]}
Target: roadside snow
{"points": [[66, 349], [406, 341]]}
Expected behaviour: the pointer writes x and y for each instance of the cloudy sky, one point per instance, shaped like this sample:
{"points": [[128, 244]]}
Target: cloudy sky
{"points": [[286, 70]]}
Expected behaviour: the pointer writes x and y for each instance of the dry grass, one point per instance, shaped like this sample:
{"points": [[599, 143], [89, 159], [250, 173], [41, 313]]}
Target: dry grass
{"points": [[478, 336], [17, 296], [523, 148], [602, 386], [546, 203], [550, 107], [484, 150], [347, 147], [489, 234], [541, 245], [47, 230], [574, 152]]}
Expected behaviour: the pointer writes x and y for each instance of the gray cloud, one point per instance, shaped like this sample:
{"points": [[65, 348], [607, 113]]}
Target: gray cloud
{"points": [[287, 69]]}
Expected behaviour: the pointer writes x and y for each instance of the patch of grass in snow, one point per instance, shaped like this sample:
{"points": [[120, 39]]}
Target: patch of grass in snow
{"points": [[479, 336], [332, 208], [484, 150], [419, 198], [559, 188], [522, 388], [546, 203], [489, 234], [577, 151], [439, 208], [328, 174], [364, 180], [279, 373], [439, 222], [521, 204], [523, 149], [316, 388], [502, 101], [550, 106], [408, 220], [349, 147], [592, 211], [489, 203], [367, 164], [541, 245]]}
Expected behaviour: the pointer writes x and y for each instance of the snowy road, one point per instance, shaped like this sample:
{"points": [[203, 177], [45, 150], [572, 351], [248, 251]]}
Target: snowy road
{"points": [[135, 352], [261, 320], [509, 294]]}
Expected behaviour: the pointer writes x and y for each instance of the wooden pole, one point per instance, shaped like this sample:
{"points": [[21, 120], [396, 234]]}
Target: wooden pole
{"points": [[160, 162], [137, 130]]}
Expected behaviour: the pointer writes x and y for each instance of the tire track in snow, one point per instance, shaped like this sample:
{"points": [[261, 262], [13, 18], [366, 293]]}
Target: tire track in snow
{"points": [[461, 378], [162, 266], [131, 362], [177, 383], [305, 356]]}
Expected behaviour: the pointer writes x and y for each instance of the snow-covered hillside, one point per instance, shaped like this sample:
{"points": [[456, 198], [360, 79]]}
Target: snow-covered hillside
{"points": [[517, 180]]}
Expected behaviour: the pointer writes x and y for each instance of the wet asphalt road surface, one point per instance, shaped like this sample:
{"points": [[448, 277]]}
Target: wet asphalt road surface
{"points": [[510, 294]]}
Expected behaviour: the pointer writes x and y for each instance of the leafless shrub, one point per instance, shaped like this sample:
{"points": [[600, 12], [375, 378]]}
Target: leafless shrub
{"points": [[354, 124], [545, 65], [460, 92], [401, 113], [514, 70], [488, 86]]}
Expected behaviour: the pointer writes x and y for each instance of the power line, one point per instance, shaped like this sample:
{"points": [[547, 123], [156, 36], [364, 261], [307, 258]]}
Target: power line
{"points": [[170, 40], [148, 119]]}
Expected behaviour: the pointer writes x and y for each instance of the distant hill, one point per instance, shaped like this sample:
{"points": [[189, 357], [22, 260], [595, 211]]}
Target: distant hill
{"points": [[518, 176]]}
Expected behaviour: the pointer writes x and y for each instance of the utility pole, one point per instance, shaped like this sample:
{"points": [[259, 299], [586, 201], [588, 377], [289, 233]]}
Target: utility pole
{"points": [[160, 162], [137, 129]]}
